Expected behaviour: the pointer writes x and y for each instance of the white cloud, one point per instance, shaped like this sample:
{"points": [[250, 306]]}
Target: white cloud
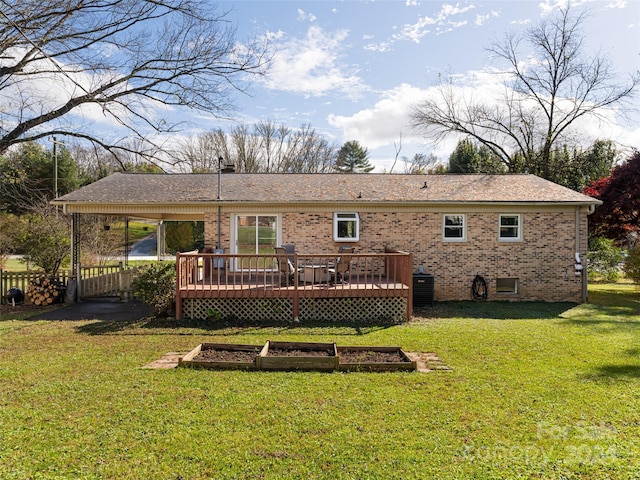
{"points": [[481, 19], [47, 88], [303, 16], [379, 47], [617, 4], [441, 22], [411, 3], [380, 125], [311, 66], [384, 121], [549, 6]]}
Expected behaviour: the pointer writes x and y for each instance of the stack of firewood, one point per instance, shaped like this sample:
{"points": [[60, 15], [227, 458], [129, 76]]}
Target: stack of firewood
{"points": [[45, 291]]}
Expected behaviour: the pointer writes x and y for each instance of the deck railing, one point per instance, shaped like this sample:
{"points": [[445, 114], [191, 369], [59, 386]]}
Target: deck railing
{"points": [[207, 275], [256, 272]]}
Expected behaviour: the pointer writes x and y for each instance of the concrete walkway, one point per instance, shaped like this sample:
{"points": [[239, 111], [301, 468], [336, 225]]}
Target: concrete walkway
{"points": [[108, 309]]}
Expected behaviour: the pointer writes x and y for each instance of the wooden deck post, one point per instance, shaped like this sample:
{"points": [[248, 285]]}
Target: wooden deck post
{"points": [[409, 281], [295, 307], [178, 297]]}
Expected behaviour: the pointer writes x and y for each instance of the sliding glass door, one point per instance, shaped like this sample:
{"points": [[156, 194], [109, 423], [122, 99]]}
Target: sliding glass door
{"points": [[256, 234]]}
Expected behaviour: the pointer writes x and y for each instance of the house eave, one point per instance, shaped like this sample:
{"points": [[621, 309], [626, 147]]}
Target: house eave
{"points": [[197, 210]]}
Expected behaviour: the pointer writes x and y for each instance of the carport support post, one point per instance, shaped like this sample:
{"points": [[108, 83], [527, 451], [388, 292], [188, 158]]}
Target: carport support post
{"points": [[160, 240], [75, 252], [79, 282]]}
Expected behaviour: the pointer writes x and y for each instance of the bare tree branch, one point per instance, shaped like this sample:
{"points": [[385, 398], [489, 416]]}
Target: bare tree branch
{"points": [[125, 57], [544, 96]]}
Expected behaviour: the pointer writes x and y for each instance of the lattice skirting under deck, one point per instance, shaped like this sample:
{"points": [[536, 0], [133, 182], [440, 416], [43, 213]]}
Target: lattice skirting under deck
{"points": [[353, 309], [310, 309], [262, 309]]}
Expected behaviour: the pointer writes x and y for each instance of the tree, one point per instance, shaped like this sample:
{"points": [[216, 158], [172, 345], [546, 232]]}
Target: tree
{"points": [[27, 176], [119, 59], [543, 96], [468, 158], [43, 237], [604, 259], [262, 147], [619, 214], [353, 158], [184, 236], [9, 224], [632, 264], [92, 163], [575, 168], [421, 164]]}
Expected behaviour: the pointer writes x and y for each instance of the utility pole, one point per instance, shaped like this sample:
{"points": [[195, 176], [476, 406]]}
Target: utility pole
{"points": [[55, 165]]}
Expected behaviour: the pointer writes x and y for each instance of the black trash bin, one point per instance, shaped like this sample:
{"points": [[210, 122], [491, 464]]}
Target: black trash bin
{"points": [[15, 296], [423, 289]]}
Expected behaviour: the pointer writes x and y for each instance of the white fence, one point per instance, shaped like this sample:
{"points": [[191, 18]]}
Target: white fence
{"points": [[96, 281]]}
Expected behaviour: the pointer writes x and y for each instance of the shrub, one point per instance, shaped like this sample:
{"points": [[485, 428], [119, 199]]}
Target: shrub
{"points": [[604, 258], [632, 264], [156, 286]]}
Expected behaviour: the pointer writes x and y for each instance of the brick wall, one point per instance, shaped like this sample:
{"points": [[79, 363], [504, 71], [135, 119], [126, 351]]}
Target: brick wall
{"points": [[542, 263]]}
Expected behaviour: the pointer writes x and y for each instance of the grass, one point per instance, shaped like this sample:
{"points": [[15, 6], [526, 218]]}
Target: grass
{"points": [[14, 265], [537, 391]]}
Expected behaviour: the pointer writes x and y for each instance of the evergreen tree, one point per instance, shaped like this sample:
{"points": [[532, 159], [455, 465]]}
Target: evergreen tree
{"points": [[27, 176], [353, 158], [468, 158]]}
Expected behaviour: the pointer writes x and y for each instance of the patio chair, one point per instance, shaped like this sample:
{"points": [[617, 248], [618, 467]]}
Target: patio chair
{"points": [[285, 266], [342, 266]]}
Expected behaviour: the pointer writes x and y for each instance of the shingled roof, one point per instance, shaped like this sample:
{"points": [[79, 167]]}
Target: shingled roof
{"points": [[247, 188]]}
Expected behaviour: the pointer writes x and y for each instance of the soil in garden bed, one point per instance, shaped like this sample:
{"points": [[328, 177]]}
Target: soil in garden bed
{"points": [[220, 355], [287, 352], [370, 356]]}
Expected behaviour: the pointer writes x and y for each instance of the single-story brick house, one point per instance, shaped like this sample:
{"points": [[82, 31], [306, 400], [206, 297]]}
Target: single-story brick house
{"points": [[527, 237]]}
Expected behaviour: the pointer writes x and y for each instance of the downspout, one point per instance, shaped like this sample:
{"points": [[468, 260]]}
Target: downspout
{"points": [[583, 272], [218, 199]]}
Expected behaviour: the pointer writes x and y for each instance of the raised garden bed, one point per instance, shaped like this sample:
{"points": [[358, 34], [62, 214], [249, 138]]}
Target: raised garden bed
{"points": [[228, 356], [374, 359], [298, 356]]}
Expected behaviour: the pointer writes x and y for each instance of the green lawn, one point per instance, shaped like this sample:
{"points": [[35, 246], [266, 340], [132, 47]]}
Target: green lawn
{"points": [[537, 391]]}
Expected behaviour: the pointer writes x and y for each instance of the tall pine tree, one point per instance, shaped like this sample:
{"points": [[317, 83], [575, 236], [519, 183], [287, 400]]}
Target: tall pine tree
{"points": [[353, 158]]}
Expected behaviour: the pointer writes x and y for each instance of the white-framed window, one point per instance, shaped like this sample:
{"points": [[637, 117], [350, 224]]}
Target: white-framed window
{"points": [[454, 227], [506, 286], [346, 227], [510, 227]]}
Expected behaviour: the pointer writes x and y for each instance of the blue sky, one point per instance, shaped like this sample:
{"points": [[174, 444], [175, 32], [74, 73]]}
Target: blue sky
{"points": [[352, 69]]}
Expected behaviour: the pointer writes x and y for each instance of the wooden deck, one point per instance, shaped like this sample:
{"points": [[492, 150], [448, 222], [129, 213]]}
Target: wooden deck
{"points": [[228, 276]]}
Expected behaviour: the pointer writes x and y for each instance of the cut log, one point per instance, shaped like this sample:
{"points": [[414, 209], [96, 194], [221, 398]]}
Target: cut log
{"points": [[45, 290]]}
